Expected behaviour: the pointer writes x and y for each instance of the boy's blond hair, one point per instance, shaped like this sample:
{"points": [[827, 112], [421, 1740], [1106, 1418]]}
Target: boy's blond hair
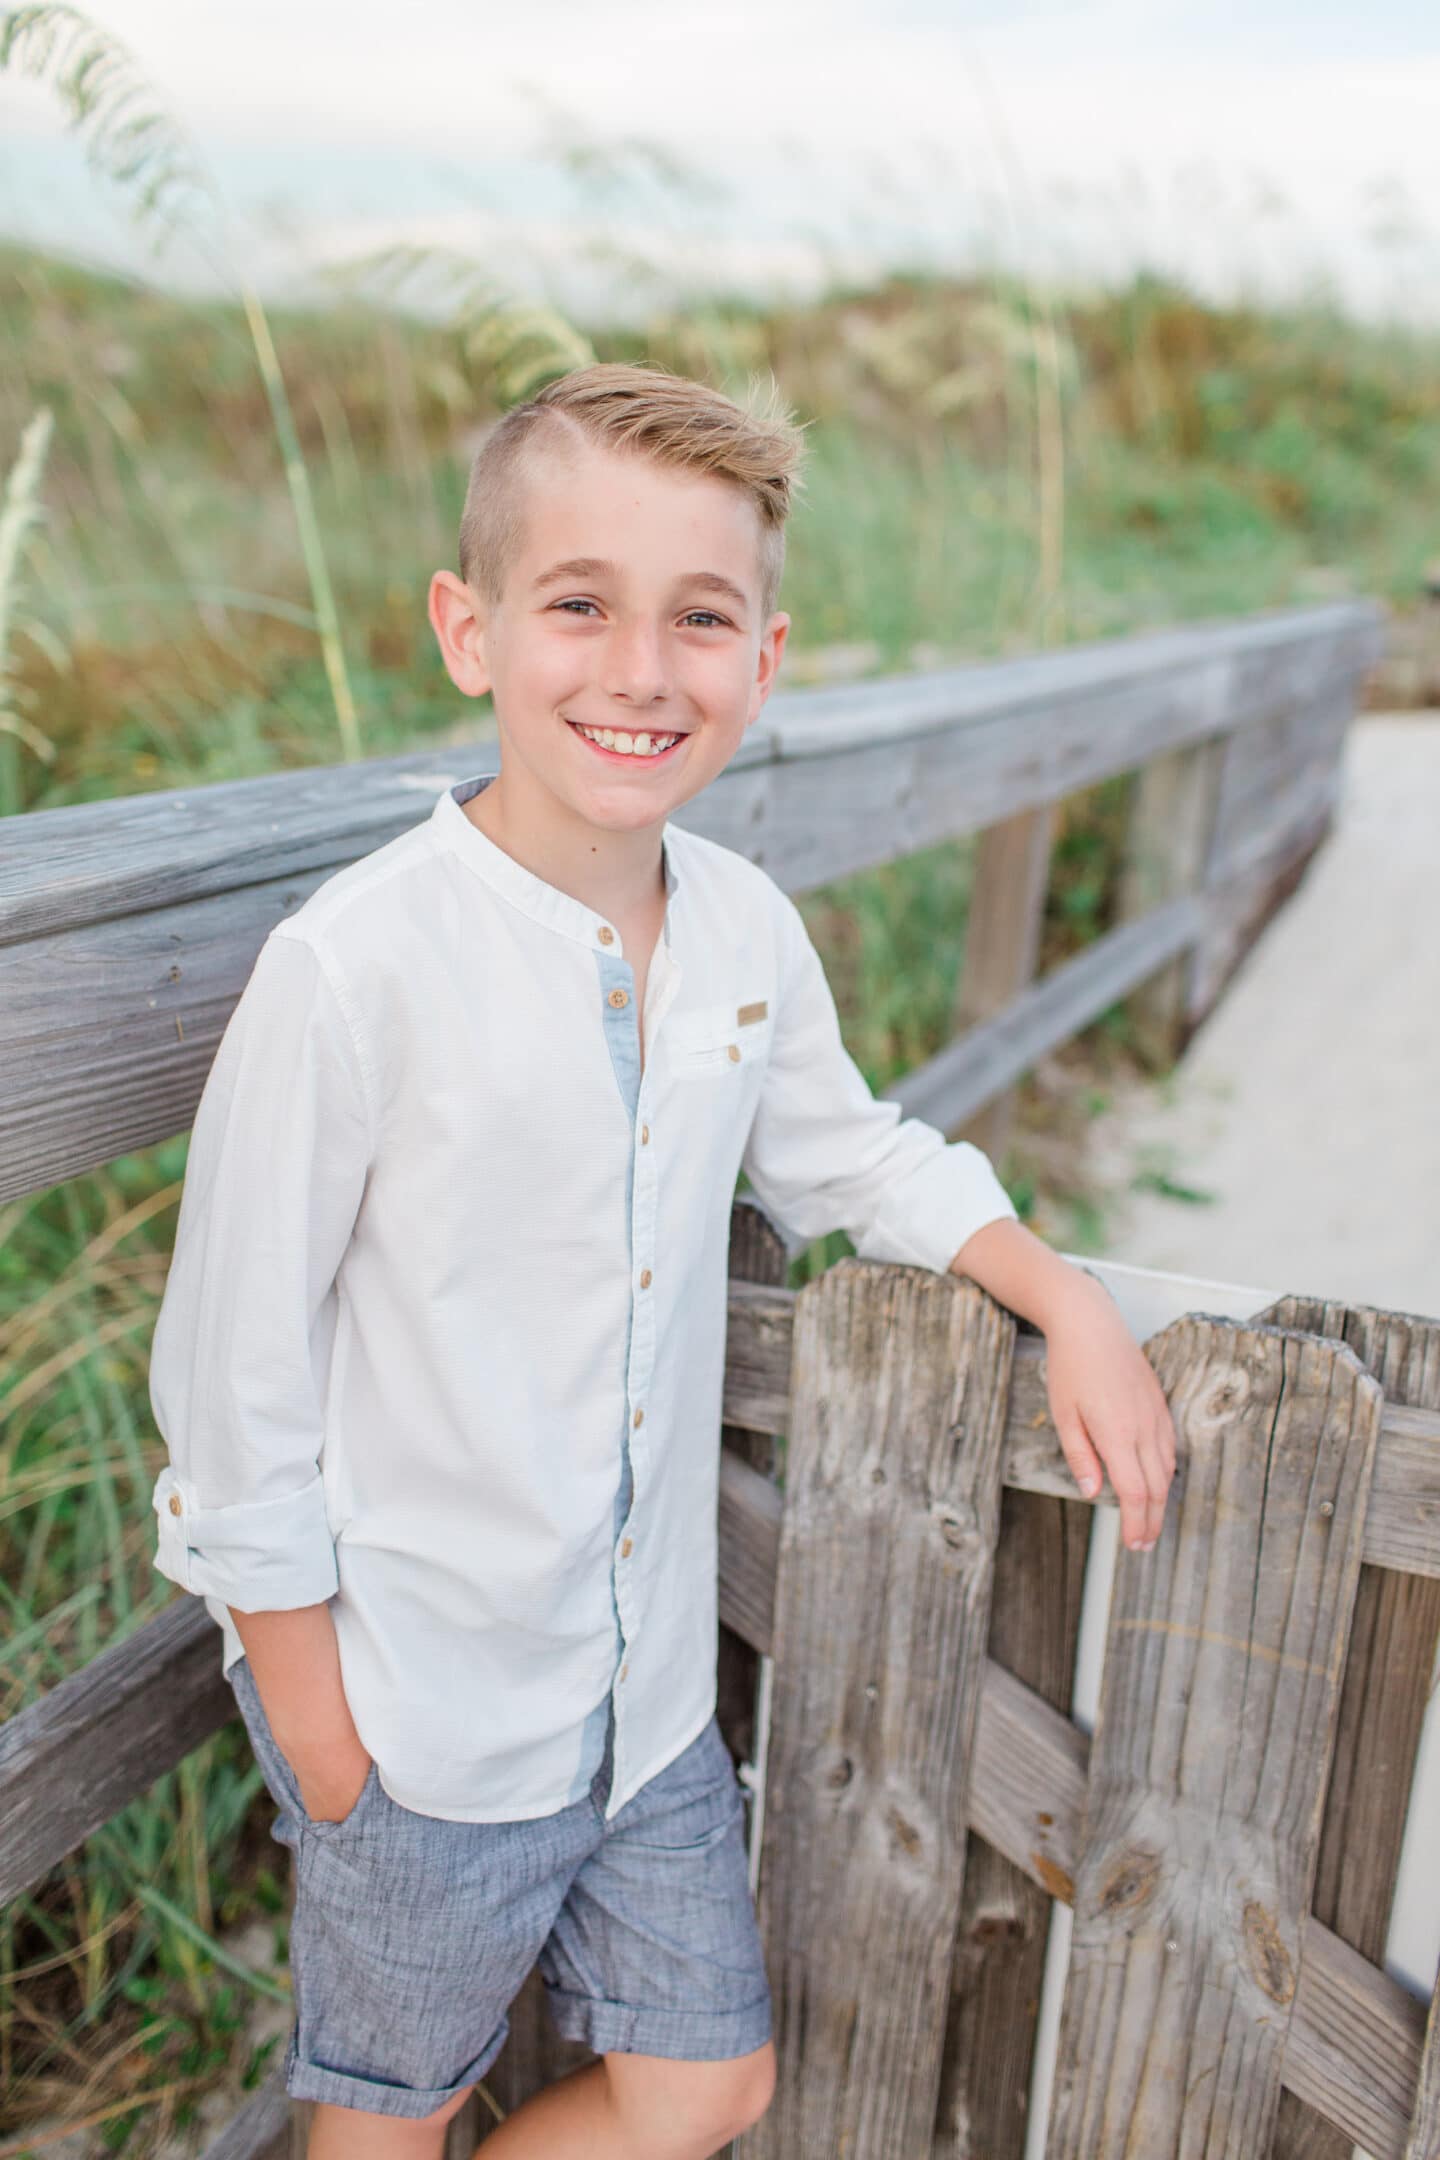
{"points": [[649, 412]]}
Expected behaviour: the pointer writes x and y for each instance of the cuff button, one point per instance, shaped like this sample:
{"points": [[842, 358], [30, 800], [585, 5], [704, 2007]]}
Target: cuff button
{"points": [[175, 1503]]}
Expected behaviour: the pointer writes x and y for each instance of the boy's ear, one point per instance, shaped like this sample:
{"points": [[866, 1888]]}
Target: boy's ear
{"points": [[459, 621], [772, 645]]}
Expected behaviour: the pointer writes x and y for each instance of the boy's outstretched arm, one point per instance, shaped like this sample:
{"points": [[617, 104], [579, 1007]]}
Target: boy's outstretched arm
{"points": [[823, 1153], [1107, 1404]]}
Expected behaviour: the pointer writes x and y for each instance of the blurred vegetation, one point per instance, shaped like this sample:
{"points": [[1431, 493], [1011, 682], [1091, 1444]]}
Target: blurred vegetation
{"points": [[160, 627]]}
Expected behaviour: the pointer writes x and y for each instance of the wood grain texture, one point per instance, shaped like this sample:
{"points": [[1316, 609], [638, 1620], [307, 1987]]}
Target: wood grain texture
{"points": [[882, 1603], [1393, 1641], [1218, 1705]]}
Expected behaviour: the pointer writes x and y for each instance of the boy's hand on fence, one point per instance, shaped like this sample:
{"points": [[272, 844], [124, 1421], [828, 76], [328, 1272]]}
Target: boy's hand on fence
{"points": [[1109, 1409]]}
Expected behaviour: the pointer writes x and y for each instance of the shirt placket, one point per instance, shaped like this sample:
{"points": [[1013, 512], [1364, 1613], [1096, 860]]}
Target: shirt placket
{"points": [[622, 1023]]}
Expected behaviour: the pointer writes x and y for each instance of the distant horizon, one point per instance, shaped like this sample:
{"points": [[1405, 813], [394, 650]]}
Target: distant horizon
{"points": [[1261, 155]]}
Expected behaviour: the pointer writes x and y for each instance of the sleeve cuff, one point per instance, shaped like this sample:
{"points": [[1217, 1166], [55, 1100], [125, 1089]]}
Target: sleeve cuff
{"points": [[924, 1221], [259, 1556]]}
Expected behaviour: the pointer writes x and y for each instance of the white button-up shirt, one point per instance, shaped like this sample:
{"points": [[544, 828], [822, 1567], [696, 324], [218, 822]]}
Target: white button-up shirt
{"points": [[443, 1338]]}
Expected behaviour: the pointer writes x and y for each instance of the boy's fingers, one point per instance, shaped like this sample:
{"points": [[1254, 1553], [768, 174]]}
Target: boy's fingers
{"points": [[1157, 1478], [1132, 1490], [1085, 1465]]}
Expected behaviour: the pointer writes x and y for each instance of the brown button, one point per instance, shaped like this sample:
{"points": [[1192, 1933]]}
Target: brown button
{"points": [[644, 1136], [734, 1053], [618, 997], [627, 1548], [606, 934], [639, 1417], [624, 1668], [644, 1278], [175, 1503]]}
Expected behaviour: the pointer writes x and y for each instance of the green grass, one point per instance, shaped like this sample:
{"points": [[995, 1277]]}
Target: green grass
{"points": [[1215, 462]]}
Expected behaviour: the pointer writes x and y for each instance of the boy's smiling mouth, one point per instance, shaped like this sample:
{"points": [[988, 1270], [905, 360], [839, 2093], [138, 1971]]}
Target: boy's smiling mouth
{"points": [[641, 741]]}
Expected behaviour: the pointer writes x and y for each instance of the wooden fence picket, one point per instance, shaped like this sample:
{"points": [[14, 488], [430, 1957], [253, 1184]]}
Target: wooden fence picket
{"points": [[882, 1608], [1209, 1761]]}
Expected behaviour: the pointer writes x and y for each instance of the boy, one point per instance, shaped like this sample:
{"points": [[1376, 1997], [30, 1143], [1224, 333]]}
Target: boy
{"points": [[440, 1357]]}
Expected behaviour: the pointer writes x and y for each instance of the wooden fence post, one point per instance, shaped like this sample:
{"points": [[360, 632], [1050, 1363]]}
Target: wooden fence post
{"points": [[1167, 845], [1002, 943], [1218, 1706], [887, 1548]]}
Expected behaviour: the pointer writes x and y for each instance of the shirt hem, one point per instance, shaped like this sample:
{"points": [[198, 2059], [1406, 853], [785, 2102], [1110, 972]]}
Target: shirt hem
{"points": [[620, 1792]]}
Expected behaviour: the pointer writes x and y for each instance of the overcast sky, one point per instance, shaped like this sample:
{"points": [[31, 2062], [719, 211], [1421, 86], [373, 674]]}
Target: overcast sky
{"points": [[1247, 146]]}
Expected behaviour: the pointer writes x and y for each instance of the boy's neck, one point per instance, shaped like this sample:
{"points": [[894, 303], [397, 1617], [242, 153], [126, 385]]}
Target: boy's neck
{"points": [[620, 875]]}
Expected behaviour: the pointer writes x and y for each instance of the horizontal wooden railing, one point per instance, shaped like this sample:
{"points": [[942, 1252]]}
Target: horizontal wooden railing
{"points": [[128, 926]]}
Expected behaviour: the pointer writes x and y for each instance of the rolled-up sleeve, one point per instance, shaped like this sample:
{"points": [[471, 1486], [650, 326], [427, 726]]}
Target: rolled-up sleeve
{"points": [[278, 1157], [824, 1153]]}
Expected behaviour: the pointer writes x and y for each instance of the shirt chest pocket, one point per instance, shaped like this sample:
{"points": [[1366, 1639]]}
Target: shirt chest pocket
{"points": [[719, 1040]]}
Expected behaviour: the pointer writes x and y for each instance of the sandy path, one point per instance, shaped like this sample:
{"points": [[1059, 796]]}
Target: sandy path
{"points": [[1308, 1104]]}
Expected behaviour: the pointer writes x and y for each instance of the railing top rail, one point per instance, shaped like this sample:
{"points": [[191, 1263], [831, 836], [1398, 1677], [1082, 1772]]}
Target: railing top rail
{"points": [[85, 863]]}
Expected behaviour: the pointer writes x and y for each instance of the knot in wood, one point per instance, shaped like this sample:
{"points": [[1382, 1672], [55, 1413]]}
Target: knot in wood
{"points": [[839, 1777], [903, 1833], [1270, 1961], [1130, 1883], [958, 1529]]}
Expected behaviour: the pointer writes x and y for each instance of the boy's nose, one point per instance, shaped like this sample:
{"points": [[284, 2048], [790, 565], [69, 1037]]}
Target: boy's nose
{"points": [[635, 670]]}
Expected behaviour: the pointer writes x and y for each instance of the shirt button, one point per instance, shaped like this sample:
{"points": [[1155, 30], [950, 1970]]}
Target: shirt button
{"points": [[618, 998], [639, 1417], [644, 1136], [645, 1278], [627, 1548], [734, 1053], [606, 934], [624, 1668], [175, 1503]]}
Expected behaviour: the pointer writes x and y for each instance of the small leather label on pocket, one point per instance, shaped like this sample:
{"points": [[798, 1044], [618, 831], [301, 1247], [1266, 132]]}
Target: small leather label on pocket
{"points": [[757, 1011]]}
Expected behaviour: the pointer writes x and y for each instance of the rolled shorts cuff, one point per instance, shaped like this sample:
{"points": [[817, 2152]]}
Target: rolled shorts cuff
{"points": [[683, 2035], [308, 2081]]}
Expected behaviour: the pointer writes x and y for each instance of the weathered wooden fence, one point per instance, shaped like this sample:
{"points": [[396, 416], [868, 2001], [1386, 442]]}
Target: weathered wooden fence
{"points": [[921, 1795]]}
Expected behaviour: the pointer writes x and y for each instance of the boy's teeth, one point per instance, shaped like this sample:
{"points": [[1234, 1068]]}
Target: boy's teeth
{"points": [[641, 745]]}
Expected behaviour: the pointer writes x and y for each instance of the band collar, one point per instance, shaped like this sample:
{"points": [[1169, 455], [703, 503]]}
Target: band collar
{"points": [[544, 903]]}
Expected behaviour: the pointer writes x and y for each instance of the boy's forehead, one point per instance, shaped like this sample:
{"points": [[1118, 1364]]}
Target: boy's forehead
{"points": [[600, 505]]}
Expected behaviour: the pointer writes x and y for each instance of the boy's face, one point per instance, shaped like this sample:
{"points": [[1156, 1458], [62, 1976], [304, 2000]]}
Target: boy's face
{"points": [[607, 619]]}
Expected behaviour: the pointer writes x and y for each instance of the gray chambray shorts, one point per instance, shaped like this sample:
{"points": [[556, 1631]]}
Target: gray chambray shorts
{"points": [[411, 1935]]}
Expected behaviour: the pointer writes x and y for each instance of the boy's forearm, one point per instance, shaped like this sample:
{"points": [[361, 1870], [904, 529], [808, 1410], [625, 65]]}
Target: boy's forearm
{"points": [[294, 1660], [1023, 1273]]}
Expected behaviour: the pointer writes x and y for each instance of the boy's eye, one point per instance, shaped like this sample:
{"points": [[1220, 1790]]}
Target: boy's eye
{"points": [[707, 614]]}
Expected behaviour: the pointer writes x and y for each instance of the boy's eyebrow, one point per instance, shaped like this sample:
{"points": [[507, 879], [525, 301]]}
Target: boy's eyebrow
{"points": [[589, 566]]}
